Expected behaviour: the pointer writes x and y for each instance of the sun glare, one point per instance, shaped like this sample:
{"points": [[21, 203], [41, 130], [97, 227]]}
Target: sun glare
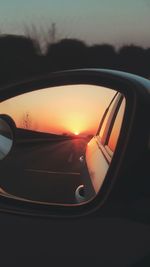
{"points": [[76, 133]]}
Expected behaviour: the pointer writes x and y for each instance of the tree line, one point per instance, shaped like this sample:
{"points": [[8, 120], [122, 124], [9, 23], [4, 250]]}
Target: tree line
{"points": [[21, 57]]}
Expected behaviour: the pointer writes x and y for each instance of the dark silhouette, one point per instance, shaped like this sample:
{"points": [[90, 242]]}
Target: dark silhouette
{"points": [[102, 56], [21, 57], [66, 54], [133, 58]]}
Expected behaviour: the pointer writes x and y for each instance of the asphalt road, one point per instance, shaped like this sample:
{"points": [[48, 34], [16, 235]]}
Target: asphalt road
{"points": [[43, 171]]}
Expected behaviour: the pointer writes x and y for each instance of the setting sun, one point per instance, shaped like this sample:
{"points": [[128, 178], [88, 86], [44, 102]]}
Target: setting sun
{"points": [[76, 133]]}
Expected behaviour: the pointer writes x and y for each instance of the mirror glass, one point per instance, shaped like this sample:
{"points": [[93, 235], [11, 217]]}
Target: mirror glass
{"points": [[6, 138], [65, 137]]}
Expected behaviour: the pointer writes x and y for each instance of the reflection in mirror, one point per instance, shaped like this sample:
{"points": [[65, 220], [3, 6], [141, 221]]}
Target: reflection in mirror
{"points": [[6, 137], [65, 138]]}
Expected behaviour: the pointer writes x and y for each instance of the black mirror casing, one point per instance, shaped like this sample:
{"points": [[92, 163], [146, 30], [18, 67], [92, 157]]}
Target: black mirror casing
{"points": [[132, 146]]}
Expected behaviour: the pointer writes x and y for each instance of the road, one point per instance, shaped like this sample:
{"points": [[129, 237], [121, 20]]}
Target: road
{"points": [[44, 171]]}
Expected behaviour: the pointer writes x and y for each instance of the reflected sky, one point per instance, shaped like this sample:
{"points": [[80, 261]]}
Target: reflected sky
{"points": [[71, 109], [97, 21]]}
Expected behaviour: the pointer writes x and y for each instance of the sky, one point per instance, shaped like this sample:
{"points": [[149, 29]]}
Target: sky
{"points": [[117, 22], [72, 109]]}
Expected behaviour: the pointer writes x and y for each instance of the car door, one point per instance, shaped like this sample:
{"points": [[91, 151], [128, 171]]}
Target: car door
{"points": [[100, 149]]}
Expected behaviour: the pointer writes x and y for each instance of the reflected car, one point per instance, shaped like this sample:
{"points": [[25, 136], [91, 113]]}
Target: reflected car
{"points": [[100, 149]]}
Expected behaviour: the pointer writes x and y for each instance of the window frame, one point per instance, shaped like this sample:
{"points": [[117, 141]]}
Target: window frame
{"points": [[104, 140]]}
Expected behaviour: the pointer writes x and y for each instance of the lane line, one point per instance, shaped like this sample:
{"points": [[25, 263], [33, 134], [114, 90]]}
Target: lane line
{"points": [[70, 158], [52, 172]]}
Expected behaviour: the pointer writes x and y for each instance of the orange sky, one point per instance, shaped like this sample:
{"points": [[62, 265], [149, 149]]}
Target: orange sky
{"points": [[64, 109]]}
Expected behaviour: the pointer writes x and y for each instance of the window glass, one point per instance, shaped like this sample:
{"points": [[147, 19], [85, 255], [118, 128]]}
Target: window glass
{"points": [[100, 134], [116, 127]]}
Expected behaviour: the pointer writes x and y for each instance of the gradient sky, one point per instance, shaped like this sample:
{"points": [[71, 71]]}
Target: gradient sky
{"points": [[75, 109], [94, 21]]}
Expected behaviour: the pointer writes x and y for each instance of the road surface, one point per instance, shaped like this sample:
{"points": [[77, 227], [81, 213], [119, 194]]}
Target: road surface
{"points": [[44, 171]]}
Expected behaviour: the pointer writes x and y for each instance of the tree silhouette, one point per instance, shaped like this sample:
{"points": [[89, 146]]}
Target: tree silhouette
{"points": [[26, 122], [132, 59], [66, 54], [102, 56], [19, 58]]}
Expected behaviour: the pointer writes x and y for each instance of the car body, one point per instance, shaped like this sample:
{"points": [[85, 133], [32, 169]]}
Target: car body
{"points": [[100, 149]]}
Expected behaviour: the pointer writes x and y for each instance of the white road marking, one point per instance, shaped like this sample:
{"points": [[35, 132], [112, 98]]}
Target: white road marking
{"points": [[70, 158], [3, 192], [52, 172]]}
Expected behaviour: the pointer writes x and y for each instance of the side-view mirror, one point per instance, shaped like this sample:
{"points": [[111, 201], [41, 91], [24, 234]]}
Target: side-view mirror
{"points": [[7, 127], [70, 134]]}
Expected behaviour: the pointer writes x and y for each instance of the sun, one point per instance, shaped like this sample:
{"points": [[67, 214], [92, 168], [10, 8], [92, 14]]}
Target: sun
{"points": [[76, 133]]}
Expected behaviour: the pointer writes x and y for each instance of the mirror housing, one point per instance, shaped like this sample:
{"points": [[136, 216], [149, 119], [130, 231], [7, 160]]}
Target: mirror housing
{"points": [[132, 143], [7, 135]]}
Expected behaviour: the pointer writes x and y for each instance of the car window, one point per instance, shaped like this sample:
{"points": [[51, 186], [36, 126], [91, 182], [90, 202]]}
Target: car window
{"points": [[101, 132], [112, 142], [104, 131]]}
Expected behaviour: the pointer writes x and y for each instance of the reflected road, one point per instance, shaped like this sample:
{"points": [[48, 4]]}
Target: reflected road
{"points": [[44, 171]]}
